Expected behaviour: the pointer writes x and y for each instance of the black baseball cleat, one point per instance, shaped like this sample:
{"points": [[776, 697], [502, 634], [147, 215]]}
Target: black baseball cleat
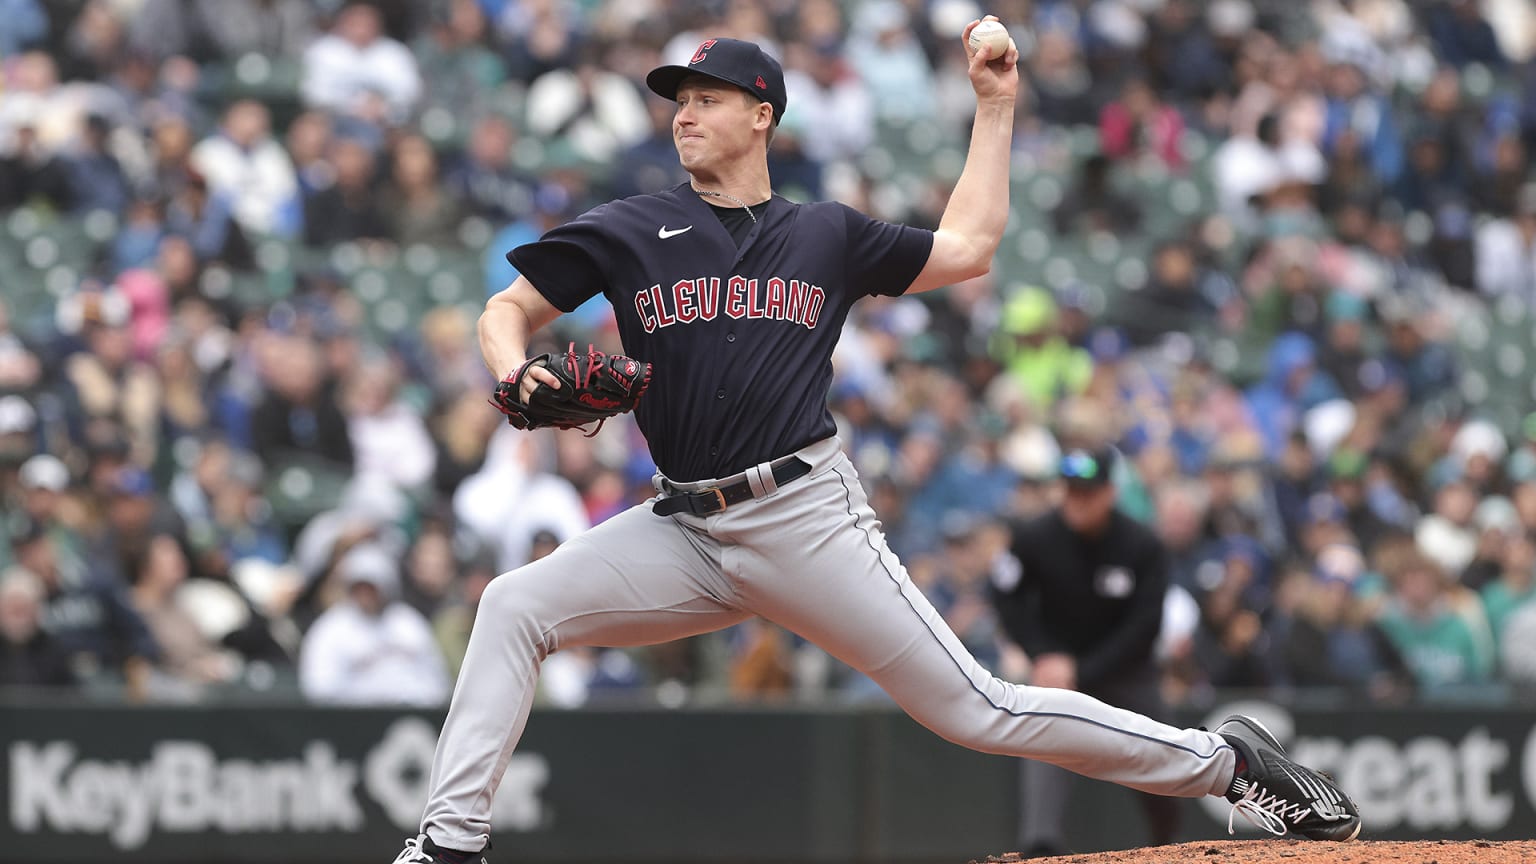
{"points": [[421, 850], [1279, 795]]}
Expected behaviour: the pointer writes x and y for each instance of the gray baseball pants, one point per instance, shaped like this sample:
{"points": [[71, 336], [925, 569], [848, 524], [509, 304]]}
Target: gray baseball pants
{"points": [[810, 557]]}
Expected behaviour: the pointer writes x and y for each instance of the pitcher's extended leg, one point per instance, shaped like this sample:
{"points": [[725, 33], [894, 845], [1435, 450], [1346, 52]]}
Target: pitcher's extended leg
{"points": [[637, 579], [833, 580]]}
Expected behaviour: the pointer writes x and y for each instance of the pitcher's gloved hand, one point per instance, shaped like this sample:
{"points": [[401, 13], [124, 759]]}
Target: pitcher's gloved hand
{"points": [[593, 387]]}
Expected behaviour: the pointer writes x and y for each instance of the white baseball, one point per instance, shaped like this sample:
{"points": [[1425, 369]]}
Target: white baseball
{"points": [[992, 34]]}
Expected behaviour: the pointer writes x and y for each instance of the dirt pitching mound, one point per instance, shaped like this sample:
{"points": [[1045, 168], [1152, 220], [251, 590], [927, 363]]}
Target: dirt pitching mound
{"points": [[1306, 852]]}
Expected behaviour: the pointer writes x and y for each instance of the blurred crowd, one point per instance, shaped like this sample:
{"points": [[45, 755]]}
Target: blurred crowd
{"points": [[218, 494]]}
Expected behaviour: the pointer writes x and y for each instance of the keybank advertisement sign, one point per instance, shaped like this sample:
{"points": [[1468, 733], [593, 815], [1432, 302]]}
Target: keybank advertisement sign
{"points": [[252, 785], [1424, 773], [93, 785]]}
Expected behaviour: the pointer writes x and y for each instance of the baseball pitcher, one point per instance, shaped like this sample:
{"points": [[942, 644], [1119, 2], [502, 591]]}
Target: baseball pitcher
{"points": [[729, 300]]}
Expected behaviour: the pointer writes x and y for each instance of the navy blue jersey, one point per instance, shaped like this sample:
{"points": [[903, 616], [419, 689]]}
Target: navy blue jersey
{"points": [[741, 338]]}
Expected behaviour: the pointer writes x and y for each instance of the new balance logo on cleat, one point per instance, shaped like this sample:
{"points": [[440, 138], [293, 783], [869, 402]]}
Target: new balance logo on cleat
{"points": [[1279, 795]]}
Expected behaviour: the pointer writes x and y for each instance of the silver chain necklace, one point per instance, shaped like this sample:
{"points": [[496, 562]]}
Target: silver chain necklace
{"points": [[740, 203]]}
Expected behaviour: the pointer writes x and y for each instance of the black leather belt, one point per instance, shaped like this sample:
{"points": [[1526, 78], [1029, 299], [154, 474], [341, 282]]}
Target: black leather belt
{"points": [[717, 498]]}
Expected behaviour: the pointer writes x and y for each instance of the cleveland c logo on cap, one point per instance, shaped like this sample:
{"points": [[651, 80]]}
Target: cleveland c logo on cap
{"points": [[704, 49]]}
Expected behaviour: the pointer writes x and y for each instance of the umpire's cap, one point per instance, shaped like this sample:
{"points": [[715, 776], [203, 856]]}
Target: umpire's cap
{"points": [[1088, 469], [733, 61]]}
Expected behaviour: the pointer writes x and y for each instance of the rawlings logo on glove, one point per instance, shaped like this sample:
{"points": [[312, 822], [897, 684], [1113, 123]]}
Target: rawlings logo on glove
{"points": [[593, 387]]}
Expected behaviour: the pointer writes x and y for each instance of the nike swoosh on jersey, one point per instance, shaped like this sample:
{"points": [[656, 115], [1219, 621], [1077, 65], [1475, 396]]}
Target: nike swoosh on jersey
{"points": [[664, 233]]}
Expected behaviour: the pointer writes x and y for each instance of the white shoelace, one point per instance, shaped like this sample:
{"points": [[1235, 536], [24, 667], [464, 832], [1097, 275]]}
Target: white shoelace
{"points": [[412, 853], [1267, 812]]}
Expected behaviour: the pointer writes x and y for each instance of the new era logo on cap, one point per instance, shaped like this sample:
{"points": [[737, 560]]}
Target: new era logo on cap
{"points": [[733, 61]]}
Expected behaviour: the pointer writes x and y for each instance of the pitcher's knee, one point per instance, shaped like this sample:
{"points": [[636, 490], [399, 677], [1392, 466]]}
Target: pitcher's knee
{"points": [[978, 719], [508, 606]]}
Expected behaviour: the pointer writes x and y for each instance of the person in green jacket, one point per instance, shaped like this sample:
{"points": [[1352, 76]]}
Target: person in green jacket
{"points": [[1516, 585], [1044, 366], [1438, 645]]}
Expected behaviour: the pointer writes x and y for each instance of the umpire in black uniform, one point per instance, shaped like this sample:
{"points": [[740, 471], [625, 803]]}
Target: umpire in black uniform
{"points": [[1083, 596]]}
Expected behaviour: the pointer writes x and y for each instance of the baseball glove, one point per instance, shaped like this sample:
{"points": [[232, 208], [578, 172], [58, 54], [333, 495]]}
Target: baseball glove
{"points": [[593, 387]]}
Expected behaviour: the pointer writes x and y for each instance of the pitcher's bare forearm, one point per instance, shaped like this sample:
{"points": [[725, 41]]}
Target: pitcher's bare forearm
{"points": [[978, 207], [972, 225], [510, 319]]}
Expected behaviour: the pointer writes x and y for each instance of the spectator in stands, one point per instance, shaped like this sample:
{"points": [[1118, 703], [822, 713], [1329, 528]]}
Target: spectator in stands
{"points": [[389, 438], [30, 173], [1328, 640], [830, 98], [308, 144], [300, 415], [451, 366], [223, 28], [205, 222], [1354, 105], [1093, 204], [1506, 251], [459, 70], [1174, 300], [539, 37], [358, 72], [888, 57], [1426, 365], [1515, 586], [348, 209], [245, 164], [95, 177], [1292, 385], [1462, 35], [1042, 365], [106, 383], [488, 182], [456, 617], [370, 648], [1060, 81], [89, 617], [29, 656], [597, 113], [1437, 644], [1140, 124], [23, 24], [416, 205], [431, 569], [20, 367], [42, 486], [187, 655], [511, 498], [461, 433]]}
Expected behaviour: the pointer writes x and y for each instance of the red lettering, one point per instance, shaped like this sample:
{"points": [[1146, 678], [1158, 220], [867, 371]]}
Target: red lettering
{"points": [[794, 303], [813, 306], [683, 301], [665, 319], [647, 319], [736, 297], [709, 298], [775, 307], [754, 300]]}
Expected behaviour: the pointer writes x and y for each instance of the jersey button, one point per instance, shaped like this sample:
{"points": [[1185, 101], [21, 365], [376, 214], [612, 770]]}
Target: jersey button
{"points": [[720, 394], [714, 451], [730, 337]]}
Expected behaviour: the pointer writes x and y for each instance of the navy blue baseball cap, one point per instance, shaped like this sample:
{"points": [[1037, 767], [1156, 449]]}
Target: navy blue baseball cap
{"points": [[733, 61]]}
